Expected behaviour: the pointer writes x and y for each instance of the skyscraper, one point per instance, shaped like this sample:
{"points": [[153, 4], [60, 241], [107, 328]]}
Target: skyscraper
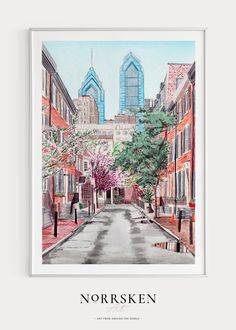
{"points": [[131, 84], [92, 86]]}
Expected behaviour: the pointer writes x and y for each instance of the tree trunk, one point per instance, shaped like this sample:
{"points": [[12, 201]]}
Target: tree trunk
{"points": [[150, 209], [97, 198], [155, 199]]}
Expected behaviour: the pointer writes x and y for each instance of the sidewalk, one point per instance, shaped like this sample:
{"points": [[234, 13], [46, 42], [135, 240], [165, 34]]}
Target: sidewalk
{"points": [[165, 222], [66, 227]]}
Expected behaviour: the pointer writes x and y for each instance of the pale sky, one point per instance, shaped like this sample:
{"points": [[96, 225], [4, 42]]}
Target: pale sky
{"points": [[73, 60]]}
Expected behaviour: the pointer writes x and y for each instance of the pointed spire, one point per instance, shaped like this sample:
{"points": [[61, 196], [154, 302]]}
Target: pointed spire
{"points": [[91, 57]]}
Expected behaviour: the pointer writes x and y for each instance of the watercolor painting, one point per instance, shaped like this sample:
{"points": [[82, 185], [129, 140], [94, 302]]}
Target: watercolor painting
{"points": [[118, 152]]}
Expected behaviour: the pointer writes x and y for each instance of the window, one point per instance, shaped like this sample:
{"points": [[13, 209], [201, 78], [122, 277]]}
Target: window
{"points": [[86, 165], [61, 137], [70, 183], [183, 184], [45, 121], [54, 96], [189, 97], [59, 182], [186, 99], [44, 82], [92, 91], [187, 137], [65, 113], [184, 105], [68, 116], [183, 141], [173, 149], [132, 87], [179, 146], [46, 184], [61, 106], [180, 112], [178, 177], [178, 81]]}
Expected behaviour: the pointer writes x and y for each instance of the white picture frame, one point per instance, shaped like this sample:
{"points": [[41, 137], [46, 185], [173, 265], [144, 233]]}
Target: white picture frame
{"points": [[37, 36]]}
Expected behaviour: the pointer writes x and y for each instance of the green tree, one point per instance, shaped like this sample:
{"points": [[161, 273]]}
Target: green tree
{"points": [[145, 157], [148, 198]]}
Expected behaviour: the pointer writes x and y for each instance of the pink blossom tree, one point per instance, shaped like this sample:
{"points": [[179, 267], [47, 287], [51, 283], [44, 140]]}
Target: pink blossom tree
{"points": [[60, 146], [105, 177]]}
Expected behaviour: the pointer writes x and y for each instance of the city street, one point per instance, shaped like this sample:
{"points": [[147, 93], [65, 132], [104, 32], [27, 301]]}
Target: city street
{"points": [[117, 236]]}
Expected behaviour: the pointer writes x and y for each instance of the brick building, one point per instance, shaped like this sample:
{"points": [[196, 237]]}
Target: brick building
{"points": [[175, 74], [125, 119], [87, 110], [111, 132], [177, 188], [58, 110]]}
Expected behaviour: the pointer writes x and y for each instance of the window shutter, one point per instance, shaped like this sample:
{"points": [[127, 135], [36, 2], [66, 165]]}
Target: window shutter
{"points": [[183, 141], [186, 139], [189, 137], [56, 182], [183, 190], [46, 83], [180, 183], [186, 100], [180, 110]]}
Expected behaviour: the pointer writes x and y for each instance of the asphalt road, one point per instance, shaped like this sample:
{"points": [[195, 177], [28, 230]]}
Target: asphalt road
{"points": [[117, 236]]}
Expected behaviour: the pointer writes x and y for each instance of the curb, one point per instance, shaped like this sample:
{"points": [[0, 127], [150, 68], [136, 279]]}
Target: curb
{"points": [[163, 228], [62, 240], [73, 232], [156, 223]]}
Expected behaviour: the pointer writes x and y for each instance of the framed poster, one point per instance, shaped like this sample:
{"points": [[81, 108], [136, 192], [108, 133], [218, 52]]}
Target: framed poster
{"points": [[118, 151]]}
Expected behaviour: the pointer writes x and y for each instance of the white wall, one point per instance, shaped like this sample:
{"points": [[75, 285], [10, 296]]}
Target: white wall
{"points": [[53, 303]]}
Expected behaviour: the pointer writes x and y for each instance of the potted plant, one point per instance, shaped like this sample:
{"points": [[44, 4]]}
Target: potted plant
{"points": [[192, 203]]}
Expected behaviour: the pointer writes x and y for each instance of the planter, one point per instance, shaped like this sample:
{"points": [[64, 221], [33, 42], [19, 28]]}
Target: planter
{"points": [[192, 205], [181, 202]]}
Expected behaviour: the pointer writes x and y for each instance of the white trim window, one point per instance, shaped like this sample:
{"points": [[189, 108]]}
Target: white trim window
{"points": [[86, 165], [179, 145], [180, 111], [61, 106], [61, 137], [187, 138], [45, 121], [44, 81], [54, 95], [173, 150]]}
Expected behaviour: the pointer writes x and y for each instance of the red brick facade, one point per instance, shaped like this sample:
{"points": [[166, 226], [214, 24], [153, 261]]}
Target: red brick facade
{"points": [[177, 187], [175, 74], [57, 110]]}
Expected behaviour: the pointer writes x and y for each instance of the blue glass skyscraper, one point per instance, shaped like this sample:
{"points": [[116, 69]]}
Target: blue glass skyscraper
{"points": [[131, 84], [92, 86]]}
